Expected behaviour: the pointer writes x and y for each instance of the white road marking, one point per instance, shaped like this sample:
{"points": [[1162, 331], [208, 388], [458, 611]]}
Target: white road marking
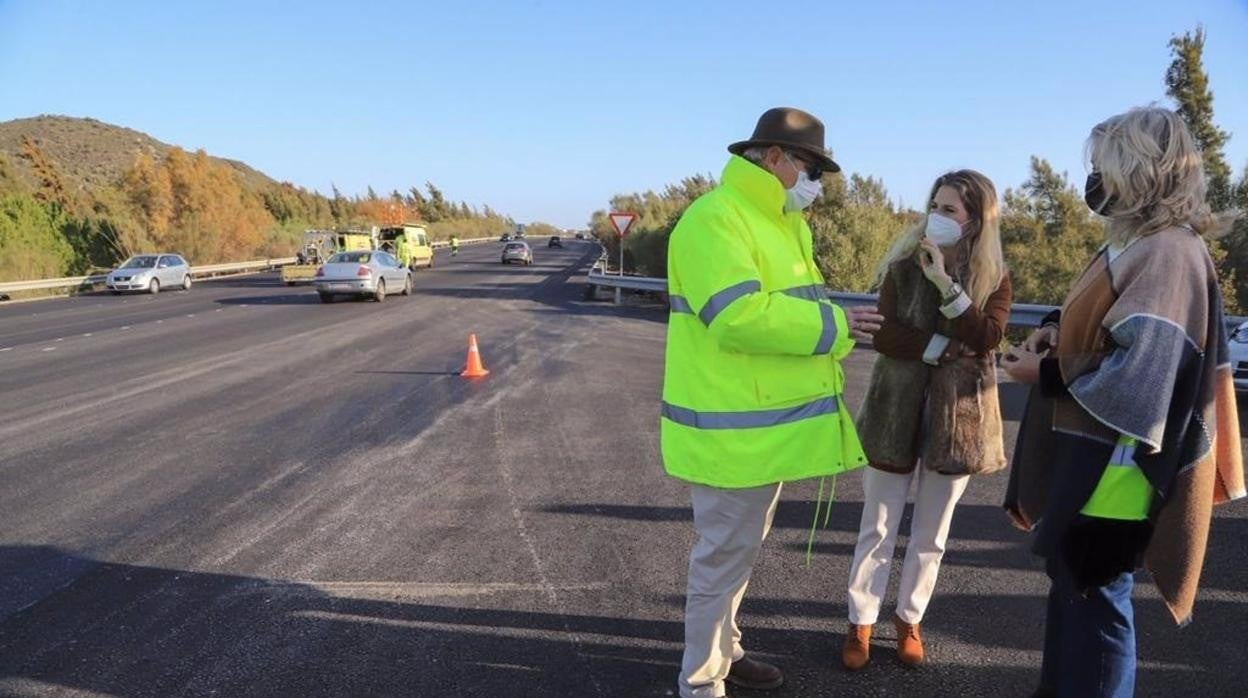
{"points": [[514, 667], [7, 349], [88, 334], [493, 631], [49, 348], [391, 590]]}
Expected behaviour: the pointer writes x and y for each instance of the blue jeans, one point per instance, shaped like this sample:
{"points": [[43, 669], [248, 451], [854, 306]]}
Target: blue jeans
{"points": [[1089, 641]]}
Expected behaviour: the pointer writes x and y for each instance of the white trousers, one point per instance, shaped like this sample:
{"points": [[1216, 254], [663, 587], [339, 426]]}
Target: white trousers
{"points": [[731, 526], [884, 500]]}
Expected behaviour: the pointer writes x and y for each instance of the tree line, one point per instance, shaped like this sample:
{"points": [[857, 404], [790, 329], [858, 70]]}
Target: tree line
{"points": [[193, 205], [1048, 232]]}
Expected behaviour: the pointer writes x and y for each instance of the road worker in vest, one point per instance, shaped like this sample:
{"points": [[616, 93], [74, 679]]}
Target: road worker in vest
{"points": [[752, 390]]}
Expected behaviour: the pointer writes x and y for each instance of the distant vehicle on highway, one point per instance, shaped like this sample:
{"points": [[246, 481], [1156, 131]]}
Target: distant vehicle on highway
{"points": [[505, 237], [150, 273], [318, 246], [580, 235], [368, 273], [554, 241], [517, 252], [1239, 357], [409, 243]]}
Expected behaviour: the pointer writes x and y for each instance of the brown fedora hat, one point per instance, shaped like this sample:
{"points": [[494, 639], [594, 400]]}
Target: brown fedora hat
{"points": [[790, 128]]}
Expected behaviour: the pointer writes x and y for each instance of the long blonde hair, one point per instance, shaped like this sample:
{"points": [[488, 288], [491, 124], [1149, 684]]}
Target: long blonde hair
{"points": [[987, 262], [1153, 172]]}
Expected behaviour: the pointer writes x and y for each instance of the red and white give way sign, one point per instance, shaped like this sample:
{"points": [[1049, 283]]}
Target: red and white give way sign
{"points": [[622, 222]]}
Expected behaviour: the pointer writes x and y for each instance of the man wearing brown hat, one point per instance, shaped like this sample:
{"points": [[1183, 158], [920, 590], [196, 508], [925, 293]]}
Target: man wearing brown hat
{"points": [[752, 383]]}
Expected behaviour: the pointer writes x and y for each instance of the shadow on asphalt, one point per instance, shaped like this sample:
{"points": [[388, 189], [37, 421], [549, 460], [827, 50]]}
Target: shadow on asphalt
{"points": [[970, 522], [309, 298], [982, 523], [410, 373], [130, 630], [257, 281]]}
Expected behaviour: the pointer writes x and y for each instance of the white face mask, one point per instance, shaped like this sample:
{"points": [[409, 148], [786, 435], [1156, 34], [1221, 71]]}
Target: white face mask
{"points": [[943, 230], [803, 192]]}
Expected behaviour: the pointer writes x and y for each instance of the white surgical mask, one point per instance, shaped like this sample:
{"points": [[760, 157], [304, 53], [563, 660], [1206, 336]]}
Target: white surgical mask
{"points": [[803, 192], [943, 230]]}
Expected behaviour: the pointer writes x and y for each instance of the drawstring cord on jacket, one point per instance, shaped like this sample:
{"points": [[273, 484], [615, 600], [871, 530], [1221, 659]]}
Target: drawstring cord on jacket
{"points": [[827, 515]]}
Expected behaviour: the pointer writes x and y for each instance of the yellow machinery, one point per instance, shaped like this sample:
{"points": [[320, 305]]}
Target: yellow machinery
{"points": [[318, 246]]}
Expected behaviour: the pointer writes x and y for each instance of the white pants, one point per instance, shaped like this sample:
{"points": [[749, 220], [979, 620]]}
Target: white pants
{"points": [[731, 526], [884, 500]]}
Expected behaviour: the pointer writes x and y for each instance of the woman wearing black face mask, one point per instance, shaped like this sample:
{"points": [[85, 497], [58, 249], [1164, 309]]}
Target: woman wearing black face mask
{"points": [[1095, 196], [1132, 434]]}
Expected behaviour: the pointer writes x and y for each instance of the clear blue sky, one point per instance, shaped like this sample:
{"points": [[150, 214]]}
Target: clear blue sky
{"points": [[545, 109]]}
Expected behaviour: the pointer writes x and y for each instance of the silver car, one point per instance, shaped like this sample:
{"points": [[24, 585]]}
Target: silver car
{"points": [[517, 252], [362, 273], [150, 273], [1239, 357]]}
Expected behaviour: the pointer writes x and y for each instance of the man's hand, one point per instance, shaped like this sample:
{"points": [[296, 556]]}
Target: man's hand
{"points": [[864, 321]]}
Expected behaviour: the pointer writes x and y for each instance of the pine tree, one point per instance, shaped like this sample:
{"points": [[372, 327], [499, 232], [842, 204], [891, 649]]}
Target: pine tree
{"points": [[1188, 84]]}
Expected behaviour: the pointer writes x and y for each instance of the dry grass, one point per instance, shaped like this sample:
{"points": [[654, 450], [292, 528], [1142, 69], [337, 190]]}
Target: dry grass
{"points": [[92, 154]]}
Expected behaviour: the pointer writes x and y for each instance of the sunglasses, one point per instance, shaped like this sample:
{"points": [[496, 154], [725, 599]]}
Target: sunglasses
{"points": [[813, 170]]}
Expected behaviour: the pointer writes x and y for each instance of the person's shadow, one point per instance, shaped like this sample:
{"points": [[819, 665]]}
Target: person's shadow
{"points": [[72, 625]]}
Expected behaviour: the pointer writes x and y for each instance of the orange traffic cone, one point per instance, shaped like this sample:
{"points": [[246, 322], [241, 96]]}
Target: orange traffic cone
{"points": [[474, 368]]}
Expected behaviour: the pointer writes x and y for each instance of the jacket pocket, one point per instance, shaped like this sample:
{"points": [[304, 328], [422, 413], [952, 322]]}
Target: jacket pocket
{"points": [[792, 380]]}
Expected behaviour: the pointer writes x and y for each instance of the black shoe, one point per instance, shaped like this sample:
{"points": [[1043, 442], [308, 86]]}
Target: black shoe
{"points": [[755, 675]]}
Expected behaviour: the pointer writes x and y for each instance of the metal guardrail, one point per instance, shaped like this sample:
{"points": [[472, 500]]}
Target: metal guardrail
{"points": [[199, 271], [65, 282], [632, 283], [196, 272], [471, 241], [1021, 314]]}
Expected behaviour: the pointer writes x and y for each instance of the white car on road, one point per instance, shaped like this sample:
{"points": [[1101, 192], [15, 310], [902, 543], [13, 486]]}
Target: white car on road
{"points": [[150, 273], [1239, 357], [368, 274], [517, 252]]}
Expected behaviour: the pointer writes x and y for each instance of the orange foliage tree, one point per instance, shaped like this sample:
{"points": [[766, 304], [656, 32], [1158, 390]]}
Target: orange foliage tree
{"points": [[197, 207]]}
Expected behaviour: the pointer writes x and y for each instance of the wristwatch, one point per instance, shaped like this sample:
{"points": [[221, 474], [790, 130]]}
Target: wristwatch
{"points": [[955, 290]]}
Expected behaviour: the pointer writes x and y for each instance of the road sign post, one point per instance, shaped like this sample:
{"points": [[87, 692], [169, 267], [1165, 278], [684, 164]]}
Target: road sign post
{"points": [[622, 221]]}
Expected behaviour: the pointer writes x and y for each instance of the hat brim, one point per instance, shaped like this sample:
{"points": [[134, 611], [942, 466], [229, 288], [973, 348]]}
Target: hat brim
{"points": [[822, 159]]}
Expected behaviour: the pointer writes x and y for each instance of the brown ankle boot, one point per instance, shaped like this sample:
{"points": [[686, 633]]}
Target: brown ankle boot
{"points": [[857, 650], [909, 642]]}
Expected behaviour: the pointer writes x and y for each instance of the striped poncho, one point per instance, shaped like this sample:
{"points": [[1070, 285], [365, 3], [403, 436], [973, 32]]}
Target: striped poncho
{"points": [[1142, 352]]}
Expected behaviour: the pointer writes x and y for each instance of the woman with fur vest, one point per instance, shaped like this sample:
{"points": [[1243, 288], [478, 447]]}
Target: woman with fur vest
{"points": [[930, 417]]}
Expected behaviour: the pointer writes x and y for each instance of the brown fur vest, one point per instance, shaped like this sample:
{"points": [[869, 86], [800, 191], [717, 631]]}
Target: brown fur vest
{"points": [[959, 398]]}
